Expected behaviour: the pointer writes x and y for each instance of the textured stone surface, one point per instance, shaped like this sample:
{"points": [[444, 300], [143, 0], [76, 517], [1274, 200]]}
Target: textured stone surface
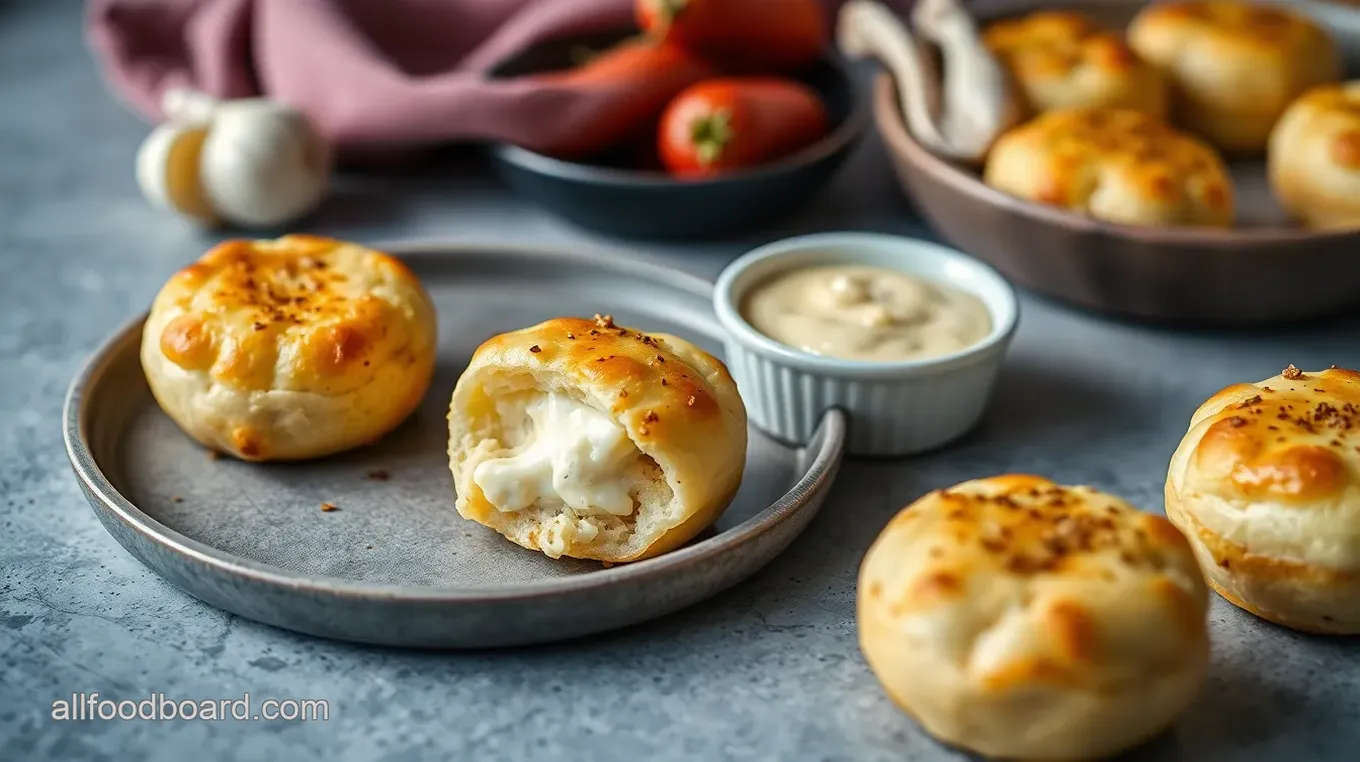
{"points": [[769, 670]]}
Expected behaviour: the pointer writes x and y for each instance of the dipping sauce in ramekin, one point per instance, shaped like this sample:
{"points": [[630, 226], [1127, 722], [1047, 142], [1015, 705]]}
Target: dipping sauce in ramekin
{"points": [[860, 312], [905, 336]]}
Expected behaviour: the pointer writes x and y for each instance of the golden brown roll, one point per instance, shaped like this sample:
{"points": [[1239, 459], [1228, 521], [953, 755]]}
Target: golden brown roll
{"points": [[585, 439], [1234, 67], [1266, 484], [1062, 59], [1025, 620], [1314, 157], [289, 349], [1118, 165]]}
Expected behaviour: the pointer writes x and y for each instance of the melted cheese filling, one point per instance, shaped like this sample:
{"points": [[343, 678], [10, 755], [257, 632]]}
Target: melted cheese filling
{"points": [[574, 456]]}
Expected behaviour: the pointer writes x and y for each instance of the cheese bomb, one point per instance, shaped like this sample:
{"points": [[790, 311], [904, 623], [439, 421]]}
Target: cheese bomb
{"points": [[1061, 60], [1116, 165], [1234, 67], [1021, 619], [290, 349], [1266, 484], [585, 439], [1314, 157]]}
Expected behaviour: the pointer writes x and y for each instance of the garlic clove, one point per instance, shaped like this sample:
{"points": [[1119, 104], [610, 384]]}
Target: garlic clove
{"points": [[263, 164], [168, 170], [186, 105]]}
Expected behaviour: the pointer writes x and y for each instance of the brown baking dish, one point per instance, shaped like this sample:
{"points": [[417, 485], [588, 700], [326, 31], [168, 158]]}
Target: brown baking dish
{"points": [[1263, 272]]}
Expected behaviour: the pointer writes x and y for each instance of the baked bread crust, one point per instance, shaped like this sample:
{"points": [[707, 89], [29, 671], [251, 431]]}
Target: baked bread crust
{"points": [[1120, 165], [1265, 486], [1314, 157], [678, 405], [289, 349], [1062, 59], [1026, 620], [1233, 67]]}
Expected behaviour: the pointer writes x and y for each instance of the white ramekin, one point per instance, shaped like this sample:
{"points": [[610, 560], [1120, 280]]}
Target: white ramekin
{"points": [[895, 408]]}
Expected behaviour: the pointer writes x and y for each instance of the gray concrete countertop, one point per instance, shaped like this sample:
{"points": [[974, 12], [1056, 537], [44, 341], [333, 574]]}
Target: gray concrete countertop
{"points": [[769, 670]]}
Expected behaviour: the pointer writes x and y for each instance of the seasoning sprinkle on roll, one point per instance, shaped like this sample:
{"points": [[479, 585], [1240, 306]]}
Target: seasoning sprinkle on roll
{"points": [[1025, 620], [586, 439]]}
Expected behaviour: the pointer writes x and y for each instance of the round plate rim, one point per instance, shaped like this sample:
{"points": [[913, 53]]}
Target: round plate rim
{"points": [[823, 463]]}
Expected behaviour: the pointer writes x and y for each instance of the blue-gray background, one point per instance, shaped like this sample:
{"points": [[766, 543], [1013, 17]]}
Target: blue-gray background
{"points": [[769, 670]]}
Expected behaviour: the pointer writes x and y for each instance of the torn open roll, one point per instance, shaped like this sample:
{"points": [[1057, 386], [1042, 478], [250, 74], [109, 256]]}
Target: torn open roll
{"points": [[585, 439]]}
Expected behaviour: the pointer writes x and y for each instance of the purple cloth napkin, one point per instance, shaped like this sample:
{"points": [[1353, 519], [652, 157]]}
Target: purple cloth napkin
{"points": [[368, 72]]}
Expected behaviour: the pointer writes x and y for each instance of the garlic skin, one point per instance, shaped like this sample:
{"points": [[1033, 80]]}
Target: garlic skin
{"points": [[258, 163]]}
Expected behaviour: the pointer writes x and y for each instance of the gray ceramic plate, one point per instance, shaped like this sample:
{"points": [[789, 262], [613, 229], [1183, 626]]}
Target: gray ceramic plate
{"points": [[395, 564]]}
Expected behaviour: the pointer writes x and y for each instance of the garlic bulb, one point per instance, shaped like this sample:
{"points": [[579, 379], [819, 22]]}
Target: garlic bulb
{"points": [[252, 162]]}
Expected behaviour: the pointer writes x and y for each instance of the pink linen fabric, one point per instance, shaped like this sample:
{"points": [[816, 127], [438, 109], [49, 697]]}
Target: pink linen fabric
{"points": [[370, 73]]}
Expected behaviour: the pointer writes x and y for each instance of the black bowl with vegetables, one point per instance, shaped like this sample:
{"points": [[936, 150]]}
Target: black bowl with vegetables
{"points": [[627, 190]]}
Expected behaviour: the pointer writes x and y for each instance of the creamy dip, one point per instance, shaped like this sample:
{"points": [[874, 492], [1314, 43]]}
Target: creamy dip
{"points": [[865, 313]]}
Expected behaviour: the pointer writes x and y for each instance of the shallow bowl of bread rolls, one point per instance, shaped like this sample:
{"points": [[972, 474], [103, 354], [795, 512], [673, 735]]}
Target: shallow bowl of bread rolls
{"points": [[1192, 162]]}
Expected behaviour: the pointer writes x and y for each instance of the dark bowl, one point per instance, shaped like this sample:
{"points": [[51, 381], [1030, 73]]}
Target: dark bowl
{"points": [[608, 196], [1172, 275]]}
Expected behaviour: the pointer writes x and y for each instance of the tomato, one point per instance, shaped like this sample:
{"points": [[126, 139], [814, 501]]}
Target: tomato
{"points": [[633, 81], [724, 124], [757, 35], [633, 60]]}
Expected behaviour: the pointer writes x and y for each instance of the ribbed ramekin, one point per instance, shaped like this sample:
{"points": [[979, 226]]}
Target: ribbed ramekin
{"points": [[895, 408]]}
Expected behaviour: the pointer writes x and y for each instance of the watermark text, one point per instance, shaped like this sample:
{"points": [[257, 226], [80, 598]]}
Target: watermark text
{"points": [[159, 707]]}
